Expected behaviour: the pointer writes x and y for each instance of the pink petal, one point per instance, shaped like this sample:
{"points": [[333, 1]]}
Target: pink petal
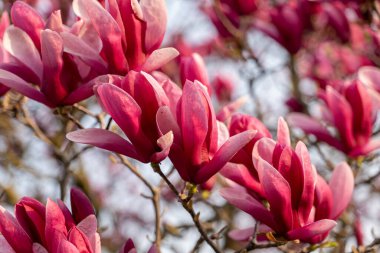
{"points": [[278, 193], [224, 155], [4, 23], [89, 227], [28, 19], [283, 135], [38, 248], [238, 197], [154, 13], [164, 142], [13, 232], [104, 139], [342, 114], [126, 113], [312, 126], [223, 133], [371, 146], [193, 68], [20, 46], [54, 22], [166, 123], [107, 28], [4, 246], [342, 186], [370, 76], [242, 234], [309, 181], [153, 249], [127, 247], [75, 46], [263, 149], [51, 51], [323, 201], [14, 82], [227, 110], [77, 238], [306, 233], [55, 230], [81, 206], [66, 247], [159, 58]]}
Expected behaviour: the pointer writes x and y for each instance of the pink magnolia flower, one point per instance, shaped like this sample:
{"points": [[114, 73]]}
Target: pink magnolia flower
{"points": [[133, 103], [242, 7], [294, 202], [130, 32], [42, 53], [129, 247], [223, 87], [193, 68], [51, 228], [351, 112], [201, 146]]}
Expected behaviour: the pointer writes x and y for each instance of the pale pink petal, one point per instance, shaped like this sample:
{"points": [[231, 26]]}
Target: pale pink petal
{"points": [[263, 149], [166, 123], [20, 46], [75, 46], [224, 155], [153, 249], [164, 142], [27, 18], [54, 22], [5, 247], [370, 76], [306, 233], [223, 133], [38, 248], [104, 139], [342, 186], [159, 58], [66, 247], [242, 234], [154, 13]]}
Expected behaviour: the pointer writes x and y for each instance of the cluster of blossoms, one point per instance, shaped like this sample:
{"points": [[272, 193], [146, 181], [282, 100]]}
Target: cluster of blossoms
{"points": [[111, 50]]}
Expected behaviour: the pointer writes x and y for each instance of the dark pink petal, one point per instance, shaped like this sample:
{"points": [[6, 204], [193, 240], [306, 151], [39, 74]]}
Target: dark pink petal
{"points": [[81, 206], [342, 186], [306, 233], [13, 232], [238, 197], [159, 58], [51, 51], [75, 46], [194, 122], [343, 117], [81, 242], [28, 19], [55, 230], [30, 214], [278, 193], [4, 23], [127, 247], [323, 200], [104, 139], [154, 13], [193, 68], [361, 104], [69, 220], [107, 28], [309, 181], [283, 135], [312, 126], [20, 46], [224, 155], [126, 113]]}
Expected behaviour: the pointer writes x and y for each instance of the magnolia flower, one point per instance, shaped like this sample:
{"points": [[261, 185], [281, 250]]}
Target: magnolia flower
{"points": [[4, 58], [133, 104], [42, 53], [51, 228], [223, 87], [201, 146], [193, 68], [130, 32], [129, 247], [294, 202], [351, 112]]}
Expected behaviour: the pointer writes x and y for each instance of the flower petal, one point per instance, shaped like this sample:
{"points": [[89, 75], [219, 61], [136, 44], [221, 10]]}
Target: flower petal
{"points": [[104, 139], [164, 142], [306, 233], [342, 186], [159, 58], [283, 135], [55, 230]]}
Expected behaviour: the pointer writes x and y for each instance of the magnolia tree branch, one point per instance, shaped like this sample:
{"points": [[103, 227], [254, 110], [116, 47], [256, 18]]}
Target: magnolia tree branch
{"points": [[188, 206]]}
